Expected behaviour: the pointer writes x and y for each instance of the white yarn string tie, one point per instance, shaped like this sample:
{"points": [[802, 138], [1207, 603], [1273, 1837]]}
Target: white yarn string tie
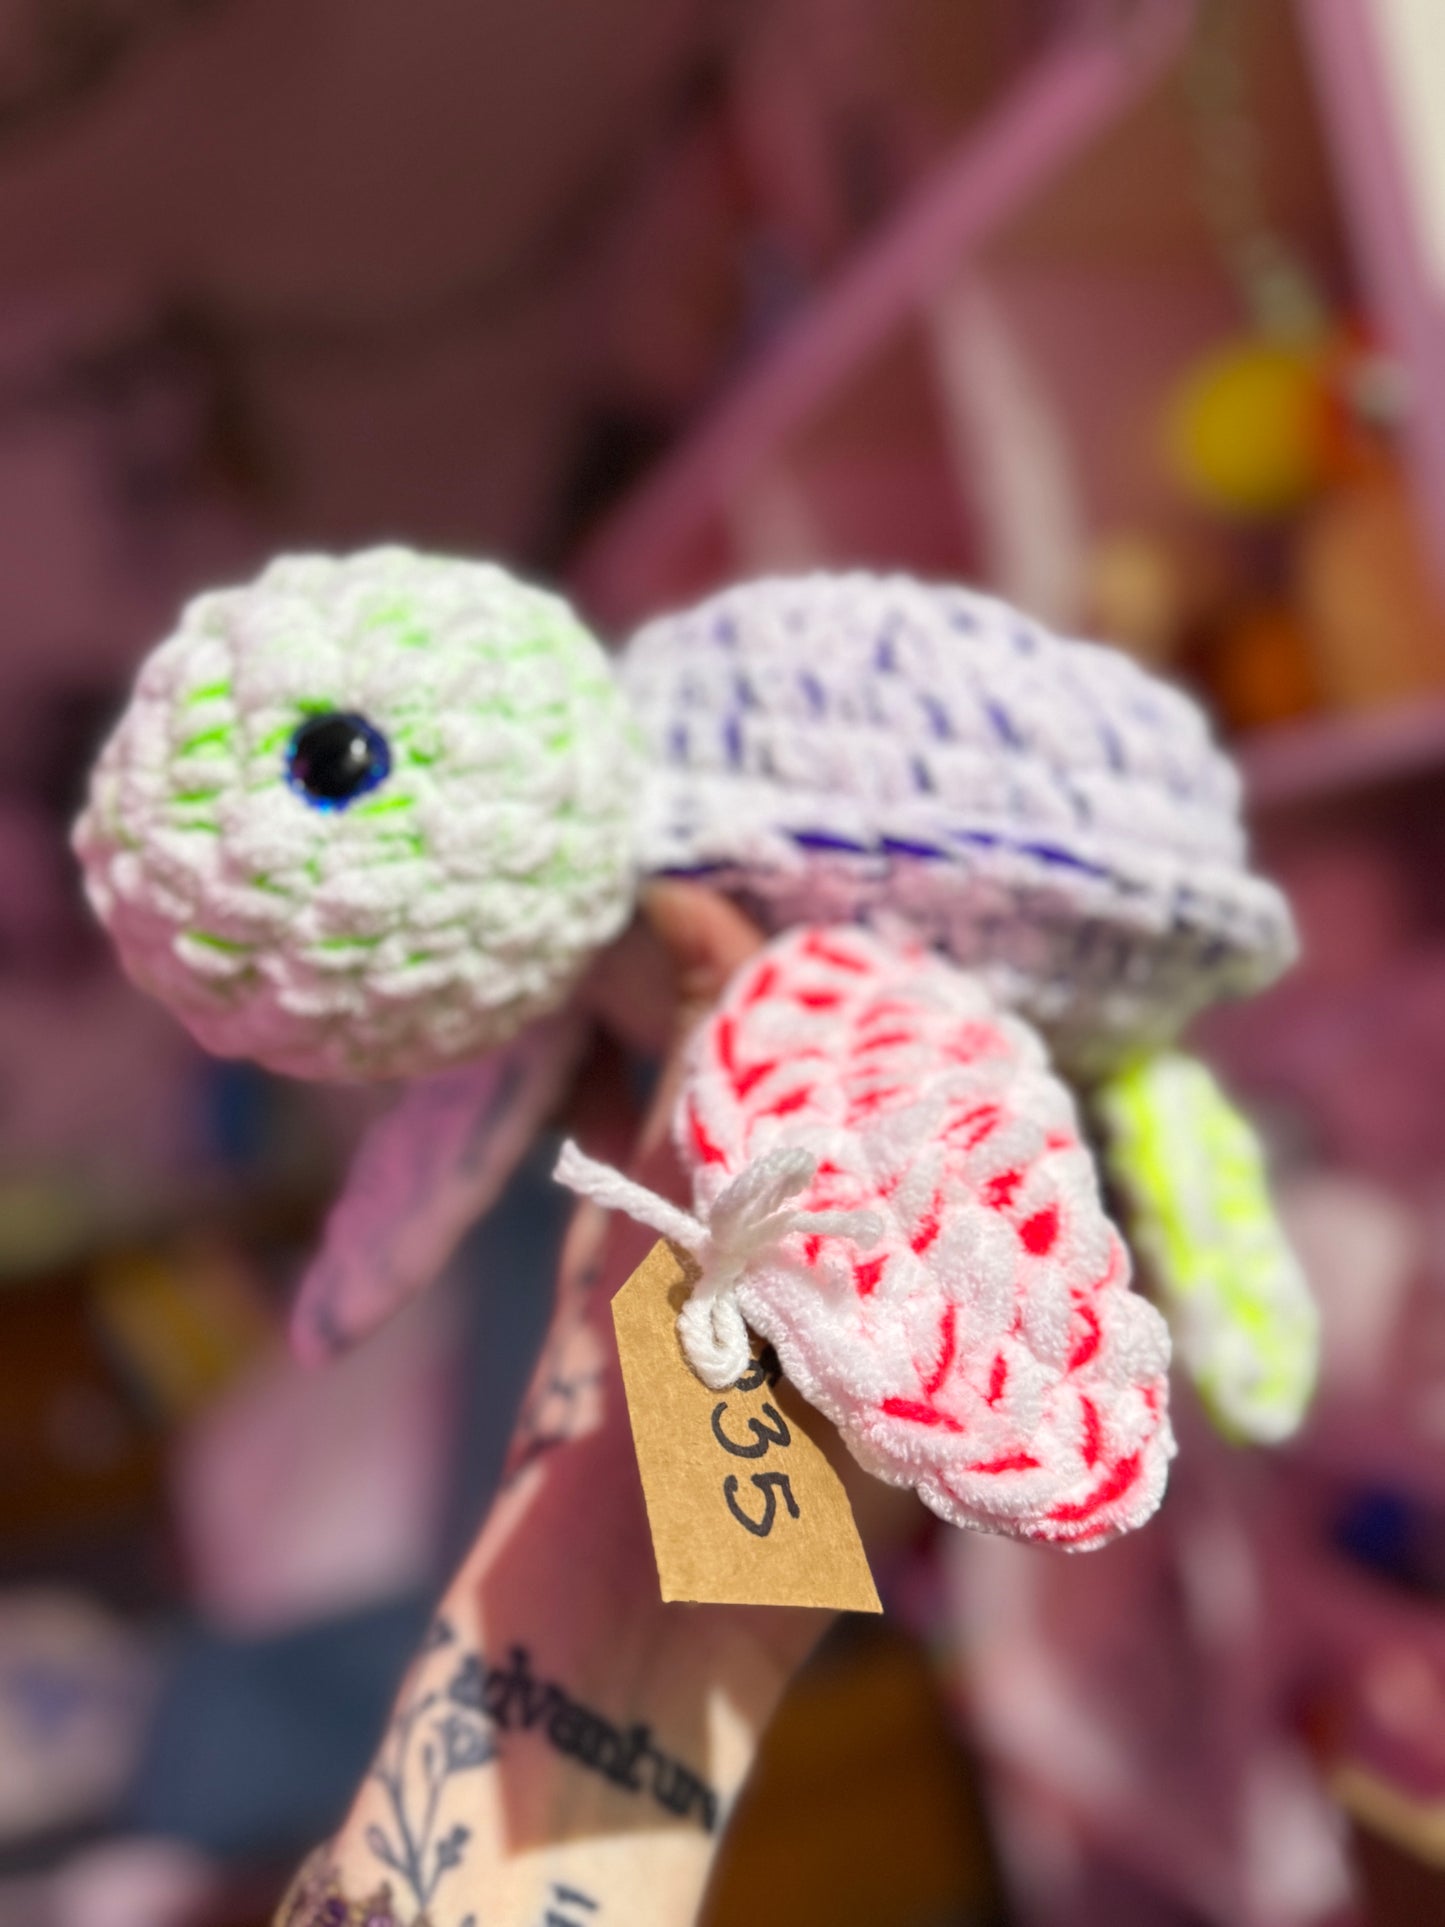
{"points": [[748, 1217]]}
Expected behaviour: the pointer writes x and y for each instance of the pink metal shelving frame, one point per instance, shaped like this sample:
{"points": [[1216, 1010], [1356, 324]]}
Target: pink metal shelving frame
{"points": [[1343, 37], [1078, 88]]}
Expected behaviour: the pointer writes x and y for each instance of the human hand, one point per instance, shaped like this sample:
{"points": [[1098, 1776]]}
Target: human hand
{"points": [[566, 1747]]}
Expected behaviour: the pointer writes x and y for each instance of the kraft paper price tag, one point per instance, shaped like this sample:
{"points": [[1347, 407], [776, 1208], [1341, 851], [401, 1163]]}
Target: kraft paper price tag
{"points": [[744, 1507]]}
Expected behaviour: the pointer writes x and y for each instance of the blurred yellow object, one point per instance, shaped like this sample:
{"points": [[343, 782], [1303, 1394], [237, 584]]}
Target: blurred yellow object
{"points": [[1151, 590], [1372, 607], [45, 1222], [183, 1324], [1407, 1820], [1246, 430], [1134, 594]]}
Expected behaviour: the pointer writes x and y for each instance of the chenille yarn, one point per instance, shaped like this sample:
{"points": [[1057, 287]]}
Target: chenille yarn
{"points": [[1190, 1170], [441, 911], [854, 747]]}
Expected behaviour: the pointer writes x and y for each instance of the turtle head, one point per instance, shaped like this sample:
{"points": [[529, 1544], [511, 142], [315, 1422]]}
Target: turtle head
{"points": [[366, 816]]}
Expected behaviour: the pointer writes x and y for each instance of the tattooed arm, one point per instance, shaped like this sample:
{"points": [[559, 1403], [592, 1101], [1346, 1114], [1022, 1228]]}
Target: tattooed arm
{"points": [[565, 1748]]}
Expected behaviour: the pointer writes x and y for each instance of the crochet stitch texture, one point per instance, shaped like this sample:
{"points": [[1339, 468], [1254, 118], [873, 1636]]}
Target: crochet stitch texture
{"points": [[855, 747], [1191, 1172], [986, 1349], [440, 911]]}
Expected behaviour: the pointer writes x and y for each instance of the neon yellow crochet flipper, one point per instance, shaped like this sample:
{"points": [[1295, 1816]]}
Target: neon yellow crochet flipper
{"points": [[1192, 1176]]}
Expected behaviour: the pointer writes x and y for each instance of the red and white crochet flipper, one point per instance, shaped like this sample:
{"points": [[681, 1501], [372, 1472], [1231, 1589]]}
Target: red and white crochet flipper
{"points": [[986, 1350]]}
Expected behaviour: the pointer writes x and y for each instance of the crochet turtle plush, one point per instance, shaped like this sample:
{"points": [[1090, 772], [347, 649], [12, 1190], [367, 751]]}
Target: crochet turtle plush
{"points": [[371, 817]]}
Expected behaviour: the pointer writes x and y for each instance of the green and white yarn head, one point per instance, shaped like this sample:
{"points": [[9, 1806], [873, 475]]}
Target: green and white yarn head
{"points": [[367, 816]]}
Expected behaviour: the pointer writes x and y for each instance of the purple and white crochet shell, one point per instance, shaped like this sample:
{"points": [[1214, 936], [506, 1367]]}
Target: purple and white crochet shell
{"points": [[862, 748]]}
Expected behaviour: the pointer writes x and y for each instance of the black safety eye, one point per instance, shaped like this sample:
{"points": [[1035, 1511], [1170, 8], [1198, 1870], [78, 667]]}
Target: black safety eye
{"points": [[335, 758]]}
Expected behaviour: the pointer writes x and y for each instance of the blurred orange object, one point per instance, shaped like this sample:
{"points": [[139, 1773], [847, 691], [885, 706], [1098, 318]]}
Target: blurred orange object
{"points": [[1261, 668], [1368, 599], [1364, 392], [861, 1810]]}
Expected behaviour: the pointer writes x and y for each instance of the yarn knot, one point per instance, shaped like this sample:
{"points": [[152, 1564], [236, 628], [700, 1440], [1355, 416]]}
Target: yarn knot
{"points": [[748, 1218]]}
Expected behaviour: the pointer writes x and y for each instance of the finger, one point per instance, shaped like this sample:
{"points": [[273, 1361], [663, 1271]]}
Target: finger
{"points": [[706, 938]]}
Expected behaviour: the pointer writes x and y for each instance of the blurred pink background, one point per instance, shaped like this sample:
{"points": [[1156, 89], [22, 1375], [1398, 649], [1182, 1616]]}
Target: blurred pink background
{"points": [[1123, 308]]}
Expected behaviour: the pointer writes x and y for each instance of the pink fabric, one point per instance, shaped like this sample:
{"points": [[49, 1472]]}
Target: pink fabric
{"points": [[987, 1350]]}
